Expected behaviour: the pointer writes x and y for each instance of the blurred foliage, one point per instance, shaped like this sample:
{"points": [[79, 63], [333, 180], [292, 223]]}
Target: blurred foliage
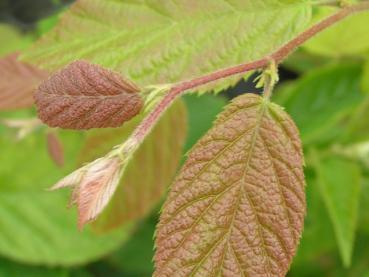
{"points": [[329, 101]]}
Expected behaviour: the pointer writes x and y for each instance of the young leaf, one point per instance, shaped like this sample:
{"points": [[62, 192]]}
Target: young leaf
{"points": [[84, 96], [340, 182], [237, 207], [18, 81], [148, 173], [55, 148], [155, 42], [94, 185]]}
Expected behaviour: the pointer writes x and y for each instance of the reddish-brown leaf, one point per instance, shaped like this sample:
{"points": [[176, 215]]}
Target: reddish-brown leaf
{"points": [[237, 207], [84, 96], [18, 81], [94, 185], [55, 148]]}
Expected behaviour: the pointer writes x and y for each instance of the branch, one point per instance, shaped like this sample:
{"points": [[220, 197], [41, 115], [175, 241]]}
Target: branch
{"points": [[278, 56], [96, 182]]}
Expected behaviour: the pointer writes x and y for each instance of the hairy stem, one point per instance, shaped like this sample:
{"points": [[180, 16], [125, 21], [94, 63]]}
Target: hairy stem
{"points": [[278, 56]]}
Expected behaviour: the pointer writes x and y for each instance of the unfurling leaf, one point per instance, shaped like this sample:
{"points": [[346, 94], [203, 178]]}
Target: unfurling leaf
{"points": [[94, 185], [149, 172], [237, 207], [18, 81], [55, 148], [84, 96]]}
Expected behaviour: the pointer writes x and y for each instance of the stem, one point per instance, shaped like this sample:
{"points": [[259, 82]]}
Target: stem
{"points": [[278, 56]]}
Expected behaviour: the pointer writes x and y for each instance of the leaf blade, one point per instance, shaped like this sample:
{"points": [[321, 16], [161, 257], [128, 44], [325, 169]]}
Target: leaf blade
{"points": [[195, 231], [340, 188], [153, 42], [85, 96], [18, 81], [36, 227]]}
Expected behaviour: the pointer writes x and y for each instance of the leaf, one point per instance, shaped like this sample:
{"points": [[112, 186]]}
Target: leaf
{"points": [[364, 207], [155, 42], [135, 257], [340, 182], [94, 186], [85, 96], [148, 173], [200, 119], [321, 100], [301, 61], [13, 39], [18, 80], [36, 227], [55, 148], [237, 207], [348, 37], [9, 268], [365, 77], [317, 241]]}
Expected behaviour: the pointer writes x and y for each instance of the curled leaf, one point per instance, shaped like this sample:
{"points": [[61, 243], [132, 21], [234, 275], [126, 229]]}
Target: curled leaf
{"points": [[237, 207], [55, 148], [18, 81], [94, 185], [84, 96], [150, 171]]}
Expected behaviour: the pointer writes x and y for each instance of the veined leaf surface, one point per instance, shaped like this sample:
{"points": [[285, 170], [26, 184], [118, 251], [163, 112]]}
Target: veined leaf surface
{"points": [[160, 41], [85, 96], [237, 207]]}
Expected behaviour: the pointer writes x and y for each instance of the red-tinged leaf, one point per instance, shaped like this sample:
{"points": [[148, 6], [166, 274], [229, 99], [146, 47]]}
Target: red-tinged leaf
{"points": [[148, 173], [55, 148], [237, 207], [18, 81], [84, 96], [94, 185]]}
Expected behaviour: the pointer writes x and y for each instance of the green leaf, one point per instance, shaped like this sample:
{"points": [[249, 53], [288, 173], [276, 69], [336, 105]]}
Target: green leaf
{"points": [[135, 257], [348, 37], [150, 171], [13, 40], [36, 226], [160, 42], [364, 208], [340, 184], [202, 111], [320, 100], [9, 268], [317, 239], [238, 204], [365, 77], [302, 61]]}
